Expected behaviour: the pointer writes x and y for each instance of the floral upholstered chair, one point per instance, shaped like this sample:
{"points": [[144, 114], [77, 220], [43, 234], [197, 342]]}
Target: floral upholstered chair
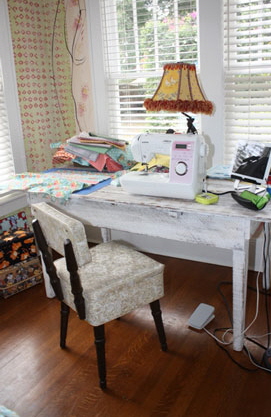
{"points": [[102, 283]]}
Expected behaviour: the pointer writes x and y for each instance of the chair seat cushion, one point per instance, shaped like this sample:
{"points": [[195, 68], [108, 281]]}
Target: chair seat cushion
{"points": [[118, 280]]}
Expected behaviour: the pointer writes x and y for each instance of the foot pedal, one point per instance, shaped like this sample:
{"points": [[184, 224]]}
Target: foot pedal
{"points": [[203, 314]]}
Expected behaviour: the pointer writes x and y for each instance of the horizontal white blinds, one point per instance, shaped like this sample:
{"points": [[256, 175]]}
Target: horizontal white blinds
{"points": [[247, 66], [139, 37], [6, 158]]}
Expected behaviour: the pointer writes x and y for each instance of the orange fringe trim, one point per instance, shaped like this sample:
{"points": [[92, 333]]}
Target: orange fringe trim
{"points": [[205, 107]]}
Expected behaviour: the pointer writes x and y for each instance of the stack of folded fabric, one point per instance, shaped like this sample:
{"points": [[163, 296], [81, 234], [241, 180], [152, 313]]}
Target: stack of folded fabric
{"points": [[99, 152]]}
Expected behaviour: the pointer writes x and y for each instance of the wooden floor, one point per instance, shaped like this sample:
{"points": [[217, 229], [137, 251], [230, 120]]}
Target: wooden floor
{"points": [[194, 378]]}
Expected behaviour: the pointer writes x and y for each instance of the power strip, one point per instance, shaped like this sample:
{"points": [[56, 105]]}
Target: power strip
{"points": [[203, 314]]}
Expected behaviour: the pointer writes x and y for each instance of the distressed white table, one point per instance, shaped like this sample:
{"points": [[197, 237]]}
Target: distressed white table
{"points": [[223, 225]]}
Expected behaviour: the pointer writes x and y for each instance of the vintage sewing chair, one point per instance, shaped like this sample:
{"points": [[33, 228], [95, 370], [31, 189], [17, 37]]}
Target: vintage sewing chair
{"points": [[102, 283]]}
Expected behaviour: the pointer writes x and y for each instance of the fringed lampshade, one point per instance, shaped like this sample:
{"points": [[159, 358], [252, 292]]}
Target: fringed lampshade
{"points": [[179, 91]]}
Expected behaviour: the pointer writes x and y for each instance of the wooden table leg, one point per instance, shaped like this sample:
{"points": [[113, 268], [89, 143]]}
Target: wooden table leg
{"points": [[106, 234], [239, 278]]}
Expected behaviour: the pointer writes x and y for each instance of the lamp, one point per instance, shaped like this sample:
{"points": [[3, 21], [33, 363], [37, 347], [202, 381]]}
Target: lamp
{"points": [[179, 91]]}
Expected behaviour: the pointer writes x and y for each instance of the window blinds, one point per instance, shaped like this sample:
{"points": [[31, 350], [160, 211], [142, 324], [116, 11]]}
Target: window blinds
{"points": [[6, 158], [247, 63], [139, 37]]}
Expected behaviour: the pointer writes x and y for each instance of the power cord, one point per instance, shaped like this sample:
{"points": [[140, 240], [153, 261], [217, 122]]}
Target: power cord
{"points": [[221, 342], [225, 192]]}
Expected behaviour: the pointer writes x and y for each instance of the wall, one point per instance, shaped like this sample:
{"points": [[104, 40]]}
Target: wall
{"points": [[192, 252]]}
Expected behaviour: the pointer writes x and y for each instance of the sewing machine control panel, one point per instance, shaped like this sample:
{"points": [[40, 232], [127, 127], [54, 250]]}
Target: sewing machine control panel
{"points": [[182, 161]]}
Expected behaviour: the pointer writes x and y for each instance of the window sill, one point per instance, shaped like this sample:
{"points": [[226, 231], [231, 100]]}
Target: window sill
{"points": [[12, 201]]}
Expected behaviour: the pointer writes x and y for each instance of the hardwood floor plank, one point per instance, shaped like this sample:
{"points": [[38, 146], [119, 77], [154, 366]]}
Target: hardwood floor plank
{"points": [[194, 378]]}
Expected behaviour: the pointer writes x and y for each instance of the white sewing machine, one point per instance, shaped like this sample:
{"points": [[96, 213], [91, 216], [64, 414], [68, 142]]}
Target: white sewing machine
{"points": [[187, 169]]}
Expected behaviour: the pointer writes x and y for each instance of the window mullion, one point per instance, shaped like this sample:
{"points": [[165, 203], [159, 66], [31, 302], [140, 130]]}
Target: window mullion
{"points": [[176, 21], [155, 35], [136, 38]]}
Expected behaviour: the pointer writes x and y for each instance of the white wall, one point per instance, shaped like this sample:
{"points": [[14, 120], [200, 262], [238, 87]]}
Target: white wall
{"points": [[211, 75]]}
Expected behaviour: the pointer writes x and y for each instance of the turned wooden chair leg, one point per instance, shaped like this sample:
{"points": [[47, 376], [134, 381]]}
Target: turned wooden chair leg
{"points": [[64, 318], [157, 315], [100, 351]]}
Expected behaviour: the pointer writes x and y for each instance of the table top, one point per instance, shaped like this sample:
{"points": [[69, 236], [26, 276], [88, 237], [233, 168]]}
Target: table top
{"points": [[226, 205], [225, 224]]}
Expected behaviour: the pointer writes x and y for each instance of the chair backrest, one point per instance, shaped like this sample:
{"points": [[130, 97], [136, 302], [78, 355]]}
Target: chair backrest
{"points": [[57, 227]]}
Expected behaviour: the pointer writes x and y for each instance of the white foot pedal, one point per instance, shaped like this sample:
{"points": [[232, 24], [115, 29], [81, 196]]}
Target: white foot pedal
{"points": [[203, 314]]}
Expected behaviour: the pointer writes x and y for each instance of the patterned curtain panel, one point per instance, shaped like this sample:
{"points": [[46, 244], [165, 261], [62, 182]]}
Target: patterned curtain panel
{"points": [[52, 67]]}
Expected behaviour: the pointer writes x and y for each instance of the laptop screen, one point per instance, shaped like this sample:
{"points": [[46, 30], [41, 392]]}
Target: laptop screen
{"points": [[252, 162]]}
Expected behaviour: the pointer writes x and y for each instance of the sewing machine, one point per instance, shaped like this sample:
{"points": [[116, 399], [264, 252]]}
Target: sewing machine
{"points": [[186, 170]]}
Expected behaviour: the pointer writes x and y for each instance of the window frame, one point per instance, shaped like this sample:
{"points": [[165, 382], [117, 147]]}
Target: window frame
{"points": [[247, 72], [11, 92], [210, 56]]}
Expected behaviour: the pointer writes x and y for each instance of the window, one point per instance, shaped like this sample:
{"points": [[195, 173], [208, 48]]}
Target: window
{"points": [[6, 158], [237, 81], [12, 156], [139, 37], [247, 63]]}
